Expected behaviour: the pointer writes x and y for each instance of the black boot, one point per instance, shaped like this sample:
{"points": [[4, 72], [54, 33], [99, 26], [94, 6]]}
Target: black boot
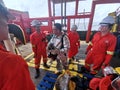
{"points": [[71, 60], [45, 65], [37, 73]]}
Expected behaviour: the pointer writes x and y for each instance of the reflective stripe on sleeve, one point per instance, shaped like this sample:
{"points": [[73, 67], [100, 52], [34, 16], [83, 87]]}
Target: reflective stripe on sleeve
{"points": [[110, 52]]}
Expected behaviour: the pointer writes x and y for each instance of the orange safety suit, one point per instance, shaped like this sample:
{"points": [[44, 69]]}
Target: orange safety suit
{"points": [[101, 83], [100, 51], [14, 73], [39, 43], [74, 43]]}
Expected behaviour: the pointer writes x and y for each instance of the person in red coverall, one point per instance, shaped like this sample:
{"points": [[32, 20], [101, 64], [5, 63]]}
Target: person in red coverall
{"points": [[14, 73], [101, 49], [104, 83], [74, 42], [39, 43]]}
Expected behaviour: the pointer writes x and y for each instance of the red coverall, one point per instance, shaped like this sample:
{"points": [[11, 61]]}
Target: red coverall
{"points": [[100, 51], [74, 43], [101, 83], [14, 73], [39, 43]]}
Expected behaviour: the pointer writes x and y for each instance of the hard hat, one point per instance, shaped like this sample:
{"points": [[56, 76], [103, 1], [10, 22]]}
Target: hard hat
{"points": [[35, 23], [108, 70], [108, 20], [74, 27]]}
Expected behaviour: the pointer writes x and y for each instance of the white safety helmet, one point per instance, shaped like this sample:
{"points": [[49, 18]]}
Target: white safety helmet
{"points": [[35, 23], [108, 70], [108, 20], [74, 27]]}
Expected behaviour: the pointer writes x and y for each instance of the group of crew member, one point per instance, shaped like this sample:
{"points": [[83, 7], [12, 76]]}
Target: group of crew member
{"points": [[64, 46], [15, 74]]}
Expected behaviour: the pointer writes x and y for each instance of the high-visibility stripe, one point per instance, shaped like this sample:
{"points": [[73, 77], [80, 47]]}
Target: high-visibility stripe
{"points": [[110, 52]]}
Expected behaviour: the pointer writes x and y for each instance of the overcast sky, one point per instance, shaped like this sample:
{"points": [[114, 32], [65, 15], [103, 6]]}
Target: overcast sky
{"points": [[39, 8]]}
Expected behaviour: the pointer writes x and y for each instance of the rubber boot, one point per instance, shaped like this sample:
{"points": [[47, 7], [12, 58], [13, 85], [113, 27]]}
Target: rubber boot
{"points": [[37, 73], [45, 65]]}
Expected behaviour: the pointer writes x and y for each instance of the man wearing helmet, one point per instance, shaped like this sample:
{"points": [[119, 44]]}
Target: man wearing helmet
{"points": [[74, 42], [101, 49], [39, 43]]}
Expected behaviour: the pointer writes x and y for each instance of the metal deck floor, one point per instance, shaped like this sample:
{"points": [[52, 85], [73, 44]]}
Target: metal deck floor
{"points": [[26, 51]]}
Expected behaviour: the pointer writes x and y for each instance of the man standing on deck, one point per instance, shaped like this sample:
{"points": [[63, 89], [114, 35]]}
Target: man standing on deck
{"points": [[39, 43], [101, 49], [61, 45], [74, 43]]}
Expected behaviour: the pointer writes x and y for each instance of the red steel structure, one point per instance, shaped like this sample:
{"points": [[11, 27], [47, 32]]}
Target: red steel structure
{"points": [[89, 15], [25, 22], [94, 3], [21, 19]]}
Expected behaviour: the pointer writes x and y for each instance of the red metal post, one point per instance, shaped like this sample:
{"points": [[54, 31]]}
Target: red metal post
{"points": [[90, 22], [76, 8], [49, 8], [65, 13], [50, 15], [62, 12], [68, 24], [53, 11]]}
